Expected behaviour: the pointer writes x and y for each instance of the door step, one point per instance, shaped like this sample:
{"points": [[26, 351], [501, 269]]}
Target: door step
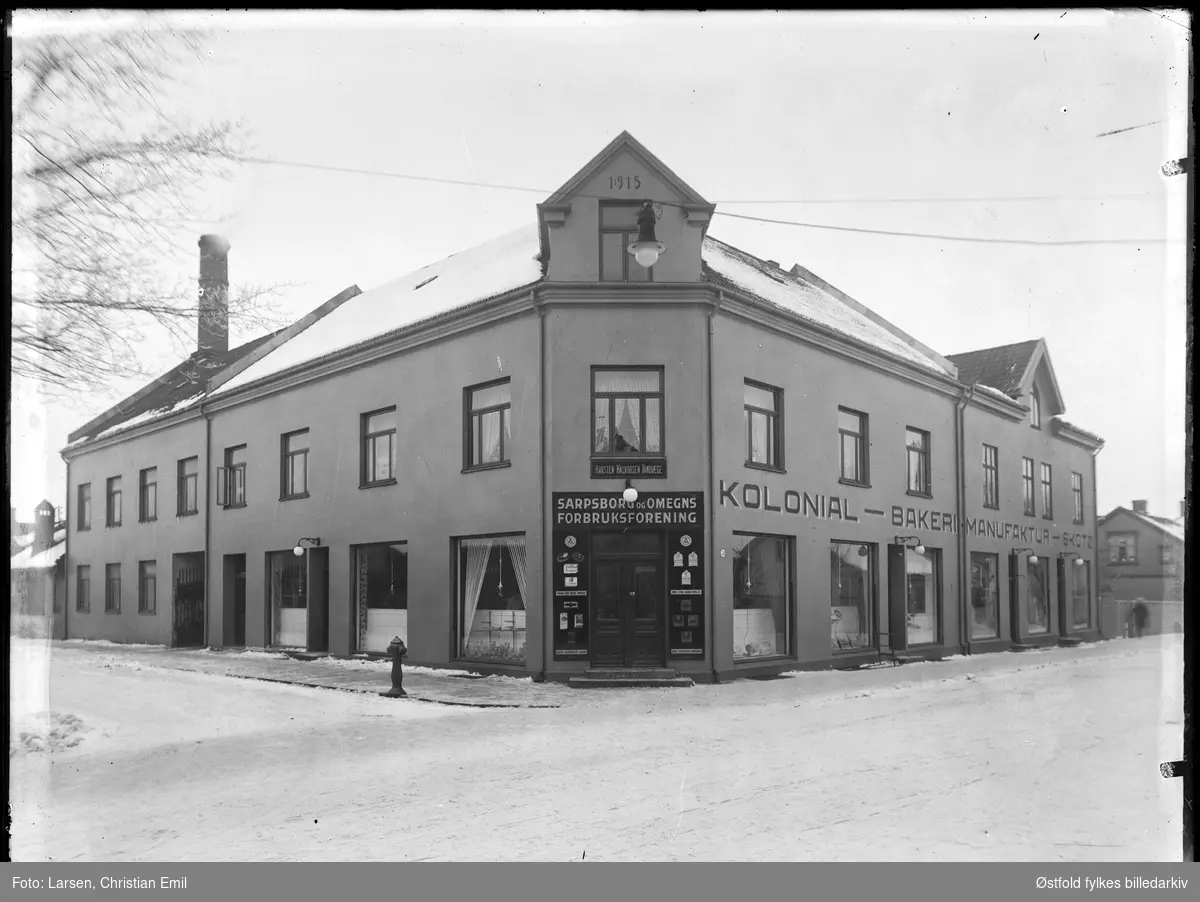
{"points": [[628, 677], [1069, 641]]}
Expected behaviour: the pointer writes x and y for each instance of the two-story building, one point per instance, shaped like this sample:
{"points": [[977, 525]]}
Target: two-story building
{"points": [[605, 442], [1141, 559]]}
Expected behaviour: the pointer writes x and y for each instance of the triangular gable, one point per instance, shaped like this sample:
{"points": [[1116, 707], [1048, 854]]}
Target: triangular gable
{"points": [[1176, 532], [1038, 359], [625, 142]]}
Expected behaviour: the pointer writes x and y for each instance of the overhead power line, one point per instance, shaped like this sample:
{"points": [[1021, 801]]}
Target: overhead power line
{"points": [[807, 225]]}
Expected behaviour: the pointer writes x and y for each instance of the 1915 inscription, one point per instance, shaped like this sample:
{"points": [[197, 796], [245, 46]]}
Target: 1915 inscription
{"points": [[624, 182]]}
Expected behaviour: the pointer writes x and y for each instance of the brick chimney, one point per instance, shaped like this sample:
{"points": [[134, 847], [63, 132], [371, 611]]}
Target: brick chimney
{"points": [[43, 527], [213, 331], [1139, 507]]}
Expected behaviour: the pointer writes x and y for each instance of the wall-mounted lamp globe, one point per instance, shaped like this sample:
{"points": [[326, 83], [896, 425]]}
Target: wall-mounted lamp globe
{"points": [[920, 549], [1033, 558], [630, 495], [298, 551], [1078, 562], [304, 543], [647, 249]]}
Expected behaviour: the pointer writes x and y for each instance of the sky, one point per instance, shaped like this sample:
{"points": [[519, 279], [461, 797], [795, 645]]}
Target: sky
{"points": [[973, 125]]}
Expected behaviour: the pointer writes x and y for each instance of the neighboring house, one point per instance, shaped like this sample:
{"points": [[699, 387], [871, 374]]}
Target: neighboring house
{"points": [[37, 587], [1142, 559], [546, 456], [19, 534]]}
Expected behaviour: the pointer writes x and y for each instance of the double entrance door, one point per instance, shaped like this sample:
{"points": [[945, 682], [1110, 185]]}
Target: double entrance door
{"points": [[627, 611]]}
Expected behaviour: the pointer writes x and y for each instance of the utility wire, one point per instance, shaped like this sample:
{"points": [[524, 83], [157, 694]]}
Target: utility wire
{"points": [[808, 225]]}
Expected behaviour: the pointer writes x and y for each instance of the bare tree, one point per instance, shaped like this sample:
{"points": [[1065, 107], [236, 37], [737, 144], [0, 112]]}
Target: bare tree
{"points": [[106, 173]]}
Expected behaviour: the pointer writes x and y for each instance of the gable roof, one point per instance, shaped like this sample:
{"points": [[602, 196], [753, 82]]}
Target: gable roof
{"points": [[625, 142], [1170, 527], [1002, 368]]}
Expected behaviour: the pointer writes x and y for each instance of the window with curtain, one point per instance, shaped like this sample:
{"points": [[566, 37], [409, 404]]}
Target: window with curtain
{"points": [[760, 596], [916, 442], [763, 406], [488, 433], [851, 585], [493, 581], [1037, 597], [985, 595], [627, 411]]}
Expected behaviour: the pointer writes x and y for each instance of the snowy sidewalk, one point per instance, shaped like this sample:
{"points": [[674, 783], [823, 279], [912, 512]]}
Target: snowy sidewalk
{"points": [[452, 687]]}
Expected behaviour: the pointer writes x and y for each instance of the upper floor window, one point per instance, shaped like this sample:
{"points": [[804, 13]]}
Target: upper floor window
{"points": [[294, 465], [1122, 547], [231, 478], [618, 229], [148, 494], [852, 446], [1077, 495], [916, 442], [761, 419], [1035, 410], [488, 429], [991, 476], [1047, 493], [378, 447], [112, 509], [187, 501], [84, 516], [627, 411], [1028, 504]]}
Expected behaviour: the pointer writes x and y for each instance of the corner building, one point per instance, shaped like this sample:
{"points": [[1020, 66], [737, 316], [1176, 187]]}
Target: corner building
{"points": [[447, 458]]}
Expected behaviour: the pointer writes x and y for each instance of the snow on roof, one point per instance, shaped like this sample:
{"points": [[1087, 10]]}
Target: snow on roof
{"points": [[26, 560], [122, 425], [502, 264], [1167, 526], [807, 301], [994, 392]]}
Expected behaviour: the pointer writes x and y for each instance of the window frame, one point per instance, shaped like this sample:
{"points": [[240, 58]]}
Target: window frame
{"points": [[1133, 543], [462, 631], [472, 436], [113, 512], [789, 570], [83, 599], [871, 604], [83, 517], [924, 456], [935, 558], [143, 595], [112, 600], [661, 395], [223, 479], [1077, 496], [775, 427], [994, 558], [145, 514], [863, 457], [1047, 483], [1035, 409], [182, 479], [1028, 488], [626, 257], [991, 499], [286, 489], [366, 448]]}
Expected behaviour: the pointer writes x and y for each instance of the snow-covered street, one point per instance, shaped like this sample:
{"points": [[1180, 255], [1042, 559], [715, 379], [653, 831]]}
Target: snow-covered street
{"points": [[1048, 755]]}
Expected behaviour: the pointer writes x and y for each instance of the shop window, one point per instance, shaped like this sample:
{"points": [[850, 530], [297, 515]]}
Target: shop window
{"points": [[761, 593], [852, 588], [1027, 498], [1122, 547], [294, 465], [147, 587], [112, 508], [627, 411], [991, 477], [1047, 493], [852, 446], [493, 588], [83, 520], [382, 592], [985, 595], [1081, 593], [923, 594], [231, 478], [83, 589], [488, 433], [289, 599], [618, 229], [112, 589], [916, 443], [1037, 601], [188, 498], [761, 418], [148, 494], [378, 447], [1077, 496], [1035, 409]]}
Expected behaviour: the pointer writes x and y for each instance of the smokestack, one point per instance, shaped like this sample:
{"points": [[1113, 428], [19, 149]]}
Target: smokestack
{"points": [[213, 331], [43, 527], [1139, 507]]}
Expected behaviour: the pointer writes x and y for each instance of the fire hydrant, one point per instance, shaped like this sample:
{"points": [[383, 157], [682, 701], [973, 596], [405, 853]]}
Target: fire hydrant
{"points": [[397, 649]]}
